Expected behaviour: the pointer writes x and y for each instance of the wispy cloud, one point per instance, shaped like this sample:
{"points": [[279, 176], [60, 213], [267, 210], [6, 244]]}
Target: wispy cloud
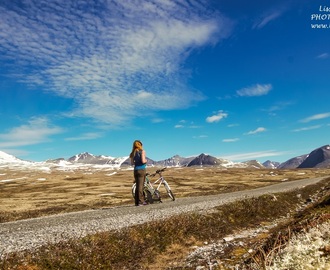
{"points": [[179, 126], [306, 128], [278, 106], [195, 126], [85, 136], [200, 137], [268, 17], [254, 155], [184, 124], [323, 56], [258, 130], [315, 117], [157, 120], [230, 140], [116, 59], [37, 130], [15, 152], [254, 90], [216, 117], [233, 125]]}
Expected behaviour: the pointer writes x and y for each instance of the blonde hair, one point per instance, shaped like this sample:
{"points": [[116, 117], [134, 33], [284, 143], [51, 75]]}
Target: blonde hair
{"points": [[137, 146]]}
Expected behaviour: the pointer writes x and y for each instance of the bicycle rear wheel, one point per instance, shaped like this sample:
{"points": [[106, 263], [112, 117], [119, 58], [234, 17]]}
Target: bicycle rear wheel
{"points": [[169, 191], [133, 190]]}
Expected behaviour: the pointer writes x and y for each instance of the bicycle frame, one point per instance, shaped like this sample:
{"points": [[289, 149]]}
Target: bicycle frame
{"points": [[161, 181], [151, 193]]}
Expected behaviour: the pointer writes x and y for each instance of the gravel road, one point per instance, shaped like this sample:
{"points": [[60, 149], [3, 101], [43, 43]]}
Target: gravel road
{"points": [[33, 233]]}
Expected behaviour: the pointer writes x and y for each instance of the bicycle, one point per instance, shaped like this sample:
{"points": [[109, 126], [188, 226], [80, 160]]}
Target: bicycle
{"points": [[152, 194]]}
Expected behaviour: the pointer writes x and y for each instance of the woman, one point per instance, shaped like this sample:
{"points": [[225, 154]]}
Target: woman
{"points": [[139, 160]]}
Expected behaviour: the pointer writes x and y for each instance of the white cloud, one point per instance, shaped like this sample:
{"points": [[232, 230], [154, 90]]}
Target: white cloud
{"points": [[306, 128], [86, 136], [37, 130], [254, 155], [185, 124], [143, 95], [217, 117], [189, 126], [115, 59], [255, 90], [316, 117], [230, 140], [258, 130], [179, 126], [265, 20]]}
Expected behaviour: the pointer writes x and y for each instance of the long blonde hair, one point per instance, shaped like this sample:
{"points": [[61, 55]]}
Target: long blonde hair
{"points": [[137, 146]]}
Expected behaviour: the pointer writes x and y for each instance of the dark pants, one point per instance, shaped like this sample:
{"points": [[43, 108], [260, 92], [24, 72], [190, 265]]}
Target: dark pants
{"points": [[140, 176]]}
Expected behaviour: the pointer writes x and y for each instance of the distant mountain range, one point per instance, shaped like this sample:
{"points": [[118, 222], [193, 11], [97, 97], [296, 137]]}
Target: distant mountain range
{"points": [[318, 158], [88, 158]]}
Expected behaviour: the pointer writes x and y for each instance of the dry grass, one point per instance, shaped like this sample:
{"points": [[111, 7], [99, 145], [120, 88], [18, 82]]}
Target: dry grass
{"points": [[161, 244], [30, 193]]}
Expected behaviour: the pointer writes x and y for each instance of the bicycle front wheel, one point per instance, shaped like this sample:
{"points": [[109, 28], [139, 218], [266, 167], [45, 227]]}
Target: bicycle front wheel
{"points": [[169, 191], [133, 190], [146, 193]]}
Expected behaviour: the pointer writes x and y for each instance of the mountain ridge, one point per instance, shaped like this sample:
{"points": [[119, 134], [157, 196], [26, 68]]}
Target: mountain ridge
{"points": [[318, 158]]}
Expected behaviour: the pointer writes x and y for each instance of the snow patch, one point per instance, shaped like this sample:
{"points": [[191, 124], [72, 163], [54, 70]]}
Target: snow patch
{"points": [[109, 174], [13, 179]]}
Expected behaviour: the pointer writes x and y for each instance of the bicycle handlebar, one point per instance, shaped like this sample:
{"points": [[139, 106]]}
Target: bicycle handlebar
{"points": [[157, 172]]}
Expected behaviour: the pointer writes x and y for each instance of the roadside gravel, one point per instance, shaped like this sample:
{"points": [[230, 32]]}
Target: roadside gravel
{"points": [[33, 233]]}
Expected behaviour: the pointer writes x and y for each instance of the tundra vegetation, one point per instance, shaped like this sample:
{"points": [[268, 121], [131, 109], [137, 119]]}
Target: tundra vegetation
{"points": [[247, 234]]}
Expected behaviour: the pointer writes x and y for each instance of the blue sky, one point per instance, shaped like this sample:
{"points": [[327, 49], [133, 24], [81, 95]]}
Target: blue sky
{"points": [[233, 79]]}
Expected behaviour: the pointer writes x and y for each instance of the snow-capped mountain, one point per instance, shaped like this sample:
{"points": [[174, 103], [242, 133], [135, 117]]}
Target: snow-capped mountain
{"points": [[292, 163], [253, 164], [80, 161], [12, 162], [87, 158], [4, 157], [175, 161], [271, 164], [318, 158], [206, 160]]}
